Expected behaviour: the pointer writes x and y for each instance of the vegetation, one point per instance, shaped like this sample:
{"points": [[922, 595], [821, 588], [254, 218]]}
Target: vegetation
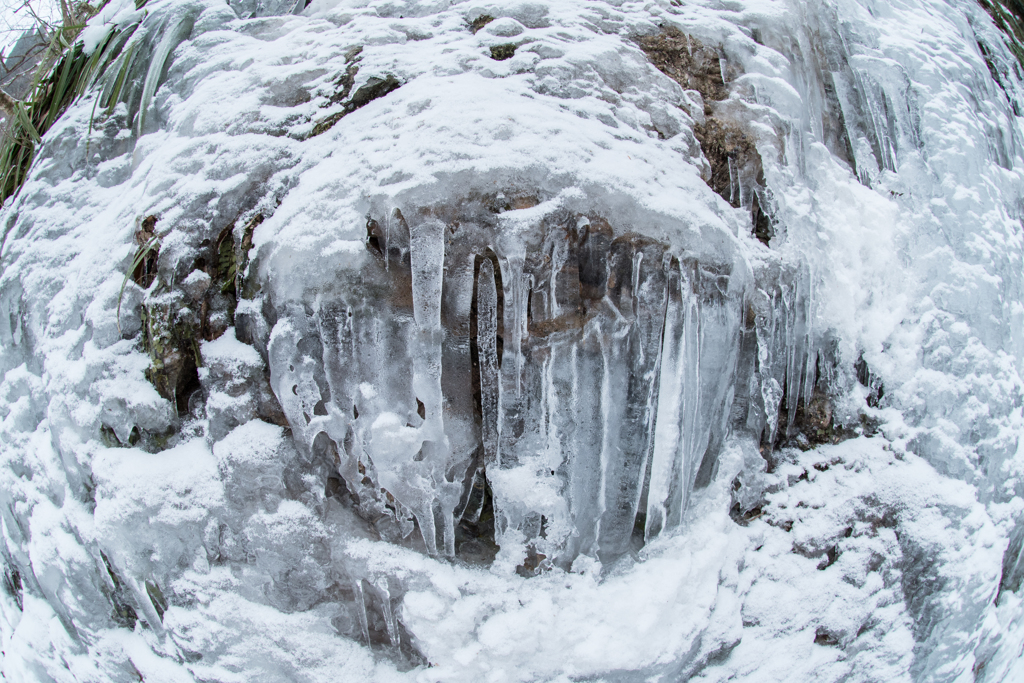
{"points": [[64, 74], [480, 22], [1009, 16], [503, 52]]}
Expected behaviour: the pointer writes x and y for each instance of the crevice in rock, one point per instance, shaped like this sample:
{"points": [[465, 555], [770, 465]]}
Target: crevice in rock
{"points": [[868, 379], [156, 597], [1013, 561], [119, 594], [374, 88], [148, 253], [12, 584], [474, 534]]}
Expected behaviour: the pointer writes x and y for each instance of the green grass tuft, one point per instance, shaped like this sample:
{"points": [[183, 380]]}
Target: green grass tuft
{"points": [[64, 75]]}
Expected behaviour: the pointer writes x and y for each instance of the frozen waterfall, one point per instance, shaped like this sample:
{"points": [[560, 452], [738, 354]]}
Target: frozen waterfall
{"points": [[418, 340]]}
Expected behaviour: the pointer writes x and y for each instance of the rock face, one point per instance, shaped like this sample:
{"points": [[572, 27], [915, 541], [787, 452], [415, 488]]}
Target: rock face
{"points": [[427, 341]]}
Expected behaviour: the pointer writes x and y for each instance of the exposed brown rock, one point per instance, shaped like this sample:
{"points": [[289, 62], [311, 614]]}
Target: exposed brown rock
{"points": [[688, 62], [735, 163]]}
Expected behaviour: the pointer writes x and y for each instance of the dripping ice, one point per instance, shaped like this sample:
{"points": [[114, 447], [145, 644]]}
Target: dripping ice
{"points": [[589, 377]]}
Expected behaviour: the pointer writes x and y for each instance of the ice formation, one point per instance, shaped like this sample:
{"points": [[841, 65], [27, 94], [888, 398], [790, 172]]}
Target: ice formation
{"points": [[439, 341]]}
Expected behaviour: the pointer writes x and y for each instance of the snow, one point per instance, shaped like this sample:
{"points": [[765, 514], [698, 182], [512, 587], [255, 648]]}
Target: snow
{"points": [[114, 13], [878, 558]]}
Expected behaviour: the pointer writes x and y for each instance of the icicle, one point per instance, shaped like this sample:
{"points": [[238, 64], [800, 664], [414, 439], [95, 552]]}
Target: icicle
{"points": [[390, 621], [427, 255], [733, 181], [632, 355], [638, 259], [664, 498], [447, 517], [690, 400], [810, 352], [425, 517], [361, 616], [515, 318], [487, 347], [585, 459], [427, 258]]}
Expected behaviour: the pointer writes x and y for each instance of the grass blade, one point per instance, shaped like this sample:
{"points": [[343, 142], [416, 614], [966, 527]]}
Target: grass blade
{"points": [[152, 244]]}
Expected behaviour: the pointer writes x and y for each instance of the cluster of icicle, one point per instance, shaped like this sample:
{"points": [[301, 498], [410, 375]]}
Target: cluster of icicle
{"points": [[589, 377]]}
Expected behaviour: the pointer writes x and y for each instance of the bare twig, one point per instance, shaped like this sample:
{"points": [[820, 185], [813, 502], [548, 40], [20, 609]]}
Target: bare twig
{"points": [[66, 13]]}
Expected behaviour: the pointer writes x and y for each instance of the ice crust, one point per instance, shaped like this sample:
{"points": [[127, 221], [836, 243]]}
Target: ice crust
{"points": [[514, 272]]}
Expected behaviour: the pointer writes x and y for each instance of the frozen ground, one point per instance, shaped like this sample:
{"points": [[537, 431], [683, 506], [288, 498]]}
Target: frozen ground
{"points": [[265, 472]]}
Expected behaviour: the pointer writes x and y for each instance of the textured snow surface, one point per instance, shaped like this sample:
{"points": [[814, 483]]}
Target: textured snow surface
{"points": [[295, 517]]}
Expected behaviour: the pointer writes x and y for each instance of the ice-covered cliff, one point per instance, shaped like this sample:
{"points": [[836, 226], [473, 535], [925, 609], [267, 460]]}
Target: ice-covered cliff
{"points": [[565, 341]]}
